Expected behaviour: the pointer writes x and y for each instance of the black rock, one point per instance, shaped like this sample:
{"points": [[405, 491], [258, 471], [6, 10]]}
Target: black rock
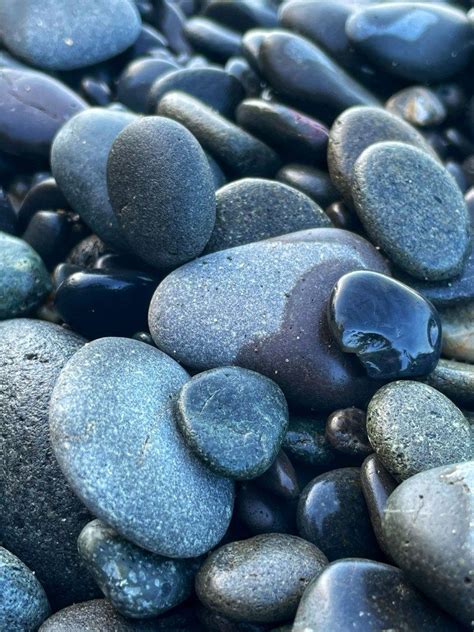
{"points": [[62, 271], [239, 68], [332, 514], [237, 151], [314, 182], [42, 196], [280, 478], [95, 91], [8, 217], [242, 15], [347, 433], [97, 304], [306, 443], [392, 329], [213, 40], [261, 512], [136, 80], [343, 216], [50, 234]]}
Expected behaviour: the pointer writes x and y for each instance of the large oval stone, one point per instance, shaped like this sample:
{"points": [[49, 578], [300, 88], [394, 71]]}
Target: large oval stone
{"points": [[115, 438], [262, 306]]}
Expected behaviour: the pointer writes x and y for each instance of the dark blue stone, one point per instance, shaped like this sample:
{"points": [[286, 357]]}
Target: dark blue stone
{"points": [[136, 80], [213, 40], [44, 195], [8, 217], [392, 329]]}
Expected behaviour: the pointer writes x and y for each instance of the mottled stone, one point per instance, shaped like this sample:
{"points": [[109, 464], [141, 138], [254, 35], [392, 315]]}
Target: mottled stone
{"points": [[392, 329], [356, 129], [260, 579], [347, 433], [139, 584], [418, 105], [57, 36], [24, 280], [23, 603], [234, 420], [253, 209], [458, 332], [455, 380], [257, 306], [362, 595], [428, 528], [377, 485], [41, 516], [115, 438], [413, 427], [307, 443], [332, 514], [162, 192], [79, 160], [412, 208]]}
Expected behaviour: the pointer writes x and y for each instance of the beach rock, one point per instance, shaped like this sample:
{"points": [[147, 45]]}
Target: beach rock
{"points": [[455, 380], [458, 332], [307, 443]]}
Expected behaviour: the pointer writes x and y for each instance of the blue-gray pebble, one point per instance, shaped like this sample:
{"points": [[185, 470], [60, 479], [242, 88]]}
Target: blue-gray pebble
{"points": [[233, 419], [114, 435], [79, 161], [24, 280], [413, 209], [138, 583], [58, 36], [23, 602], [162, 191]]}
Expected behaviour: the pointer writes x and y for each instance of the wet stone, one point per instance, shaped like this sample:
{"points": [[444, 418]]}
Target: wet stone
{"points": [[307, 443], [455, 380], [458, 332], [315, 183], [394, 331], [418, 105], [260, 579], [138, 583], [280, 478], [43, 195], [332, 514], [262, 512], [403, 410], [346, 432]]}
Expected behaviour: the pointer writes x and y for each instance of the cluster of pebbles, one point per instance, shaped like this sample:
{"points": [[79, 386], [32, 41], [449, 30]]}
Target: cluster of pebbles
{"points": [[237, 316]]}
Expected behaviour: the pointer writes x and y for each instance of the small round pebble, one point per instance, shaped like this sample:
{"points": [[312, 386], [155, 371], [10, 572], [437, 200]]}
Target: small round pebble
{"points": [[234, 420], [260, 579], [23, 602], [458, 332], [24, 279], [418, 105], [346, 431], [138, 583], [413, 427], [412, 208]]}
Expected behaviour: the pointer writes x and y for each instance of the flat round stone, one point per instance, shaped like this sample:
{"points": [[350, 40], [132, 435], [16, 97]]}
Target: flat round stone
{"points": [[234, 420], [114, 435], [260, 579], [392, 329], [413, 209], [401, 411]]}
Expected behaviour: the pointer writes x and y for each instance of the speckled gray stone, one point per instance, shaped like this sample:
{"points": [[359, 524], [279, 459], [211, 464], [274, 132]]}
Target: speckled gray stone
{"points": [[428, 529], [413, 427], [79, 160], [253, 209], [455, 380], [139, 584], [162, 191], [356, 129], [23, 602], [458, 332], [234, 420], [413, 209], [56, 36], [260, 579], [24, 280], [262, 306], [40, 515], [115, 438]]}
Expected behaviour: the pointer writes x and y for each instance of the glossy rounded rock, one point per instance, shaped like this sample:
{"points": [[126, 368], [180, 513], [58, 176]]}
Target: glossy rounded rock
{"points": [[132, 468], [346, 432], [138, 583], [234, 420], [33, 107], [56, 36], [24, 280], [262, 512], [78, 161], [306, 442], [280, 478], [43, 195], [236, 150], [417, 105], [332, 514], [96, 303], [23, 604], [417, 41], [315, 183], [161, 189], [432, 542], [358, 128], [133, 85], [260, 579], [50, 235], [458, 332], [242, 15], [394, 331], [402, 410], [412, 208], [362, 595], [41, 516], [257, 306], [254, 209]]}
